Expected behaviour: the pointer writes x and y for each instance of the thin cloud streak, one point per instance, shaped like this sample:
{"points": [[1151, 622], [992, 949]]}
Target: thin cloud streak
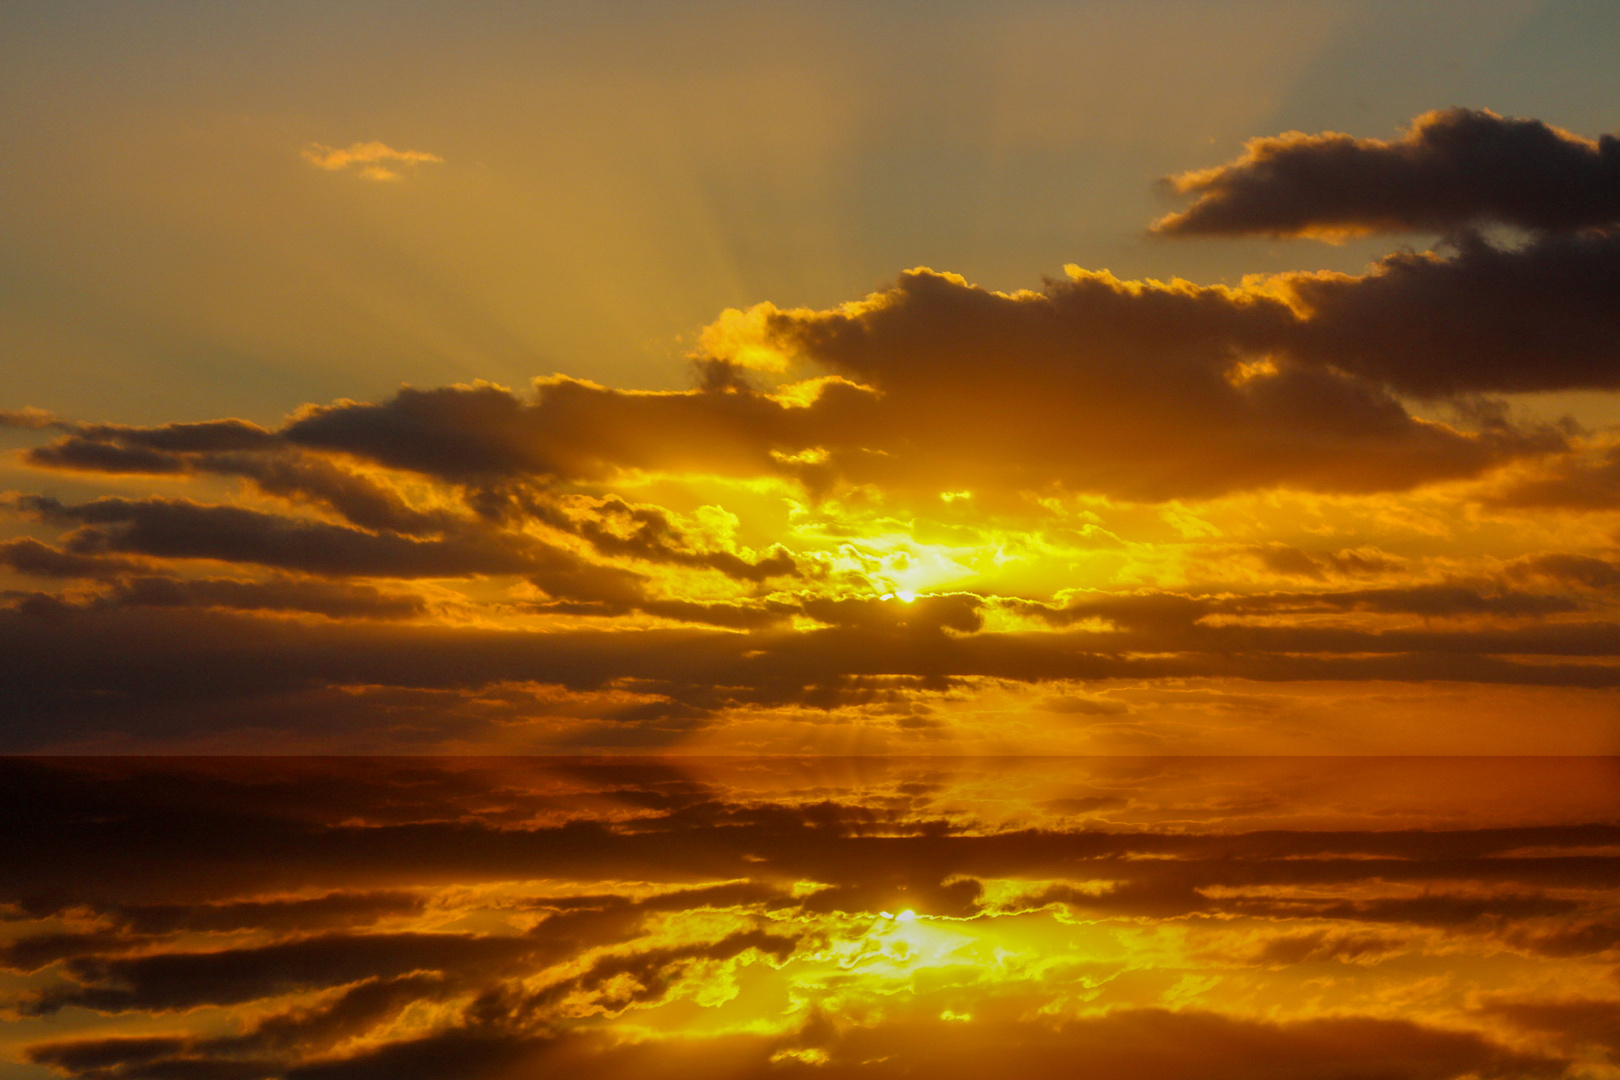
{"points": [[371, 160]]}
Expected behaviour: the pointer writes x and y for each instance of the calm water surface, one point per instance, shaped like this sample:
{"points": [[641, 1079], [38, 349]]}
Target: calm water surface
{"points": [[1142, 918]]}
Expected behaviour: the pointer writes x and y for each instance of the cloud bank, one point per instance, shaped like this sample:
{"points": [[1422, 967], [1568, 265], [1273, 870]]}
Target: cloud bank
{"points": [[1212, 514]]}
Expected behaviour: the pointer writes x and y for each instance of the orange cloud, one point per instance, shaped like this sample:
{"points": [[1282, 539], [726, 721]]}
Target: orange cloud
{"points": [[371, 158]]}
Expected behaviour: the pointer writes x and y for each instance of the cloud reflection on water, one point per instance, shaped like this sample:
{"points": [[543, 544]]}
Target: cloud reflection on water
{"points": [[747, 917]]}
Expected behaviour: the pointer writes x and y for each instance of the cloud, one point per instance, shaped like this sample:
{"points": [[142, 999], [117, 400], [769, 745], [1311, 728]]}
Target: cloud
{"points": [[1174, 422], [1290, 561], [1429, 909], [180, 980], [177, 672], [1319, 945], [1118, 387], [1481, 319], [28, 556], [288, 594], [1584, 570], [1085, 706], [29, 419], [1284, 383], [1453, 168], [1574, 1023], [175, 528], [936, 512], [1585, 479], [207, 435], [1174, 1046], [371, 158], [1580, 939]]}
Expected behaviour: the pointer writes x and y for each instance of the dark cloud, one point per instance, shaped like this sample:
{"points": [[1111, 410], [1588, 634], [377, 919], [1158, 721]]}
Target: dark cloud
{"points": [[335, 600], [1583, 481], [1139, 390], [1184, 618], [89, 455], [1322, 945], [184, 438], [180, 980], [1128, 389], [460, 432], [1444, 910], [119, 448], [1579, 939], [87, 1055], [617, 528], [308, 479], [29, 419], [261, 1051], [357, 1010], [1441, 600], [613, 527], [304, 913], [572, 431], [28, 556], [1286, 559], [1132, 1043], [133, 585], [1131, 389], [30, 954], [1481, 319], [1583, 570], [1453, 167], [1173, 1045], [157, 672], [1574, 1023], [269, 464], [177, 528]]}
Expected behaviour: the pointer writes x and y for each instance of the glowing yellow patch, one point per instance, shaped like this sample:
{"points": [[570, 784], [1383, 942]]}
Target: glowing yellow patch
{"points": [[811, 1056], [1241, 374], [743, 338]]}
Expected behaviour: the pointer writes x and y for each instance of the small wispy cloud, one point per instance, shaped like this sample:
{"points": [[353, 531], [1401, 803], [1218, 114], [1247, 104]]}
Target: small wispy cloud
{"points": [[29, 418], [372, 159]]}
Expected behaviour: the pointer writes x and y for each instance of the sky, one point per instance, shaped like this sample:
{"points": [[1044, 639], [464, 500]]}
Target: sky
{"points": [[810, 540], [837, 378]]}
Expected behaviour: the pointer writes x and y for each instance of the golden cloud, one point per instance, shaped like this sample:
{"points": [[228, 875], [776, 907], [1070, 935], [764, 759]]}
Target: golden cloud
{"points": [[371, 158]]}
